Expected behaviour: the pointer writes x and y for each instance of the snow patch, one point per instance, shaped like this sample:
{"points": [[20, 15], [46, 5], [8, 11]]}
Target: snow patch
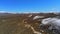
{"points": [[37, 17]]}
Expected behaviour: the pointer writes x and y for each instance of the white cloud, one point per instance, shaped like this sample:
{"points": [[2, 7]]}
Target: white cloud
{"points": [[54, 10], [3, 11], [7, 12]]}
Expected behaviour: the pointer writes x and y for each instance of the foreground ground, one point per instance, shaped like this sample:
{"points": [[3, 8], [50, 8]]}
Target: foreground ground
{"points": [[18, 23]]}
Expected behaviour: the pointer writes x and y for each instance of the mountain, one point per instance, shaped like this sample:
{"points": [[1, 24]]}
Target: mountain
{"points": [[4, 14]]}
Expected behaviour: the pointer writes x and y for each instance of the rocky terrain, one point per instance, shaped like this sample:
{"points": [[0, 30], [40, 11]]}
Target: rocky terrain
{"points": [[22, 23]]}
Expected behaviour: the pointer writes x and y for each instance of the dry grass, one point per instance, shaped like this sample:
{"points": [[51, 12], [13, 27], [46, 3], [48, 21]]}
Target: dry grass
{"points": [[20, 24]]}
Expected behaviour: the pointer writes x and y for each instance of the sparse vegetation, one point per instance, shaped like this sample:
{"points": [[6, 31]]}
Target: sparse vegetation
{"points": [[15, 23]]}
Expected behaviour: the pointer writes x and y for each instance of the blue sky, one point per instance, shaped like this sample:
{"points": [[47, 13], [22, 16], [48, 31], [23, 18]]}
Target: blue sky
{"points": [[29, 5]]}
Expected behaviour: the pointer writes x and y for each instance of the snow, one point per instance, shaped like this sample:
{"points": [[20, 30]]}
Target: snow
{"points": [[37, 17], [54, 22]]}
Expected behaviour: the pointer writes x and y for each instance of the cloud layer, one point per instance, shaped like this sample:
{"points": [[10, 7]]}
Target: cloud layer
{"points": [[31, 12]]}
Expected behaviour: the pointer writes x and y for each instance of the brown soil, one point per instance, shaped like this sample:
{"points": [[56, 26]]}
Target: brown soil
{"points": [[15, 24]]}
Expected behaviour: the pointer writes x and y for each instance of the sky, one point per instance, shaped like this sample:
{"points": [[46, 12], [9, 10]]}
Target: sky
{"points": [[29, 6]]}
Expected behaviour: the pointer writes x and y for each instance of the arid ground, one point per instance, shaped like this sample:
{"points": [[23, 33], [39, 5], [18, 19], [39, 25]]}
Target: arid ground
{"points": [[22, 23]]}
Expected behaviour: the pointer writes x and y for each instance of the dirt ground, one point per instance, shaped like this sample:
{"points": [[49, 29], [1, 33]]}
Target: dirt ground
{"points": [[21, 24]]}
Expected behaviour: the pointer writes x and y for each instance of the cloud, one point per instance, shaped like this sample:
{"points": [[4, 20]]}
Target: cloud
{"points": [[8, 12], [3, 11], [53, 10]]}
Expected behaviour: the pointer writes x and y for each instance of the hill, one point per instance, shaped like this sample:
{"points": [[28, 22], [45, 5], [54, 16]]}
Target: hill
{"points": [[19, 23]]}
